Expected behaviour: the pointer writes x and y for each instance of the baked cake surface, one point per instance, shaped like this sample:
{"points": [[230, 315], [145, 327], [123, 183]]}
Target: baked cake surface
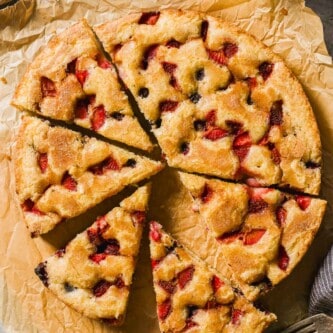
{"points": [[93, 273], [263, 233], [71, 80], [219, 101], [60, 173], [192, 297]]}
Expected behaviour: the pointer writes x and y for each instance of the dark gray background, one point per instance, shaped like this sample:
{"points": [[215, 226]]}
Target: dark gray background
{"points": [[324, 8]]}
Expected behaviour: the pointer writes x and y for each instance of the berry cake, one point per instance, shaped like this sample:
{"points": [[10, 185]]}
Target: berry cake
{"points": [[60, 173], [192, 297], [93, 273], [219, 101], [71, 80], [263, 233]]}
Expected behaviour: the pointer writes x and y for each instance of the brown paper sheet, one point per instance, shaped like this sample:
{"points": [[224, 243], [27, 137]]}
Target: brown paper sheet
{"points": [[292, 30]]}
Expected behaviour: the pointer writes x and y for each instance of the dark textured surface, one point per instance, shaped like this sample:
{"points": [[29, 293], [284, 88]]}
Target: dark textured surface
{"points": [[324, 8]]}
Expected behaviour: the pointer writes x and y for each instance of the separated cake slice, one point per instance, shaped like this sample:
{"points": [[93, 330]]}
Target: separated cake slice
{"points": [[60, 173], [93, 273], [192, 297], [71, 80], [220, 102], [262, 233]]}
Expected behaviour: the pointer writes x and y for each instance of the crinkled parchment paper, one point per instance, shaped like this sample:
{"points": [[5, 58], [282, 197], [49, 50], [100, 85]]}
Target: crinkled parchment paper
{"points": [[291, 29]]}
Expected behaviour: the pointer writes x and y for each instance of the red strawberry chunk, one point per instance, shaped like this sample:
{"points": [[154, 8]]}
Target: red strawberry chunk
{"points": [[149, 18], [138, 217], [103, 62], [154, 263], [97, 229], [48, 87], [217, 283], [111, 246], [257, 206], [185, 276], [253, 236], [258, 193], [97, 257], [211, 118], [206, 194], [230, 49], [283, 261], [266, 69], [82, 76], [218, 56], [231, 237], [42, 161], [276, 113], [164, 309], [303, 202], [189, 324], [149, 54], [98, 117], [169, 67], [101, 288], [204, 29], [264, 140], [30, 206], [276, 157], [154, 233], [252, 82], [69, 182], [168, 286], [241, 145], [236, 316], [281, 216], [168, 106], [108, 164], [119, 283], [215, 133]]}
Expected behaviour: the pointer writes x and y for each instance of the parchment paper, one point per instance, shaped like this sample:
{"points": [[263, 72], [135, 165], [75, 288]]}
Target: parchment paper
{"points": [[292, 30]]}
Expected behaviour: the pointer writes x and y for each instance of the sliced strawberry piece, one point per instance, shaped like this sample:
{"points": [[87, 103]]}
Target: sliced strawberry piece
{"points": [[235, 126], [303, 202], [256, 206], [230, 49], [169, 67], [119, 283], [218, 56], [30, 206], [241, 145], [48, 87], [101, 288], [164, 309], [204, 29], [266, 69], [168, 106], [69, 182], [103, 62], [215, 133], [252, 237], [97, 257], [258, 193], [149, 54], [98, 117], [154, 233], [231, 237], [138, 217], [173, 43], [81, 108], [189, 323], [236, 316], [149, 18], [206, 194], [283, 261], [276, 157], [108, 164], [185, 276], [110, 246], [211, 117], [71, 66], [276, 113], [154, 263], [82, 76], [281, 216], [251, 82], [168, 286], [42, 161], [264, 140], [217, 283], [95, 231]]}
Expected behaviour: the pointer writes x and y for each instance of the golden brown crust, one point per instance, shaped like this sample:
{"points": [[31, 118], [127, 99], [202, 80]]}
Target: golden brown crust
{"points": [[263, 233], [263, 127], [60, 174], [93, 273], [193, 297], [71, 80]]}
